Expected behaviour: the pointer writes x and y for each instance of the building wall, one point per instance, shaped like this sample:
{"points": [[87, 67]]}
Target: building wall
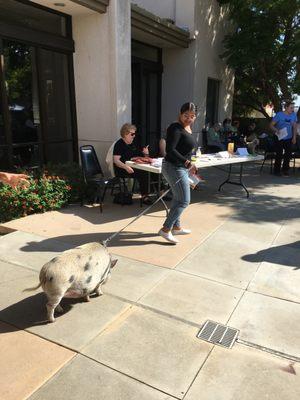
{"points": [[102, 68], [180, 11], [211, 26], [102, 63], [161, 8], [190, 68]]}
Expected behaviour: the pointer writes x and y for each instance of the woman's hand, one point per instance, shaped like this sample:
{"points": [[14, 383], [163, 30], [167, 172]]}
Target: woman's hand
{"points": [[193, 169], [145, 150], [129, 170], [294, 140]]}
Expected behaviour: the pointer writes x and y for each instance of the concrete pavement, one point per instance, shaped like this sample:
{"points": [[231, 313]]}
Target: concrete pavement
{"points": [[240, 267]]}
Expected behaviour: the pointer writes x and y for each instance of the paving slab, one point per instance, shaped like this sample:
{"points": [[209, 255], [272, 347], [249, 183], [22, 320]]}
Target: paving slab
{"points": [[11, 272], [285, 255], [268, 322], [244, 373], [159, 351], [131, 279], [277, 281], [79, 324], [264, 232], [220, 258], [290, 232], [192, 298], [29, 250], [86, 379], [27, 362], [77, 225]]}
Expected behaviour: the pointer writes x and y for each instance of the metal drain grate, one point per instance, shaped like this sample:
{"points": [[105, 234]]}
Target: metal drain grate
{"points": [[219, 334]]}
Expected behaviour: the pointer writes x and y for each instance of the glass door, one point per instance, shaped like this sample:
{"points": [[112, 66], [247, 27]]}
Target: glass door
{"points": [[21, 91], [212, 101], [36, 107], [146, 94]]}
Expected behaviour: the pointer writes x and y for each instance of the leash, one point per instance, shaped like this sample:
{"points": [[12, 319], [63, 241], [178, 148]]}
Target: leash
{"points": [[110, 238]]}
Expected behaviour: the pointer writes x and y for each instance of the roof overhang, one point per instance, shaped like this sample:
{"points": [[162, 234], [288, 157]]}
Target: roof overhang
{"points": [[95, 5], [149, 28]]}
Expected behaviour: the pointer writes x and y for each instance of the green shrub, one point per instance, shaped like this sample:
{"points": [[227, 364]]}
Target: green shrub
{"points": [[71, 173], [41, 194]]}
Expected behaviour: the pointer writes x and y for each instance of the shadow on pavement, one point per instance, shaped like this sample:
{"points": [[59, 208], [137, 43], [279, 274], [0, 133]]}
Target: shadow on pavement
{"points": [[124, 239], [31, 311], [287, 255]]}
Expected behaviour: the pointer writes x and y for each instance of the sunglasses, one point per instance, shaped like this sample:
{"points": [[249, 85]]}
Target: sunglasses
{"points": [[131, 133]]}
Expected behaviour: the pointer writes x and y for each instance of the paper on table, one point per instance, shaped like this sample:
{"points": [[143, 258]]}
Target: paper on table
{"points": [[157, 162], [282, 133], [242, 151], [223, 154]]}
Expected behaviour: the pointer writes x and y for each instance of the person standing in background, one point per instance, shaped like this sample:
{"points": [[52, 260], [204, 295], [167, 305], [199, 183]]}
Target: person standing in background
{"points": [[298, 130], [284, 127]]}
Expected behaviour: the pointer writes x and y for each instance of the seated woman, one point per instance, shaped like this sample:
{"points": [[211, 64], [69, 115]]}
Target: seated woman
{"points": [[214, 140], [124, 150], [162, 146], [251, 138]]}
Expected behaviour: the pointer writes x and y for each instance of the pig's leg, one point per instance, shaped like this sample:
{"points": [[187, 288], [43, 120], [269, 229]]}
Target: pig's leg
{"points": [[87, 297], [98, 290], [59, 309], [53, 302]]}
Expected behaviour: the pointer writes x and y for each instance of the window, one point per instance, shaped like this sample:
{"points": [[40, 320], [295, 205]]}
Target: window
{"points": [[212, 101], [17, 13], [36, 97]]}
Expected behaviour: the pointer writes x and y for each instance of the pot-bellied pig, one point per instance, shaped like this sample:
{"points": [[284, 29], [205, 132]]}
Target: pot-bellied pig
{"points": [[75, 273]]}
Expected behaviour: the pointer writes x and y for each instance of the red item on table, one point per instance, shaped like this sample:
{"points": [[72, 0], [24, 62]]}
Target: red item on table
{"points": [[142, 160]]}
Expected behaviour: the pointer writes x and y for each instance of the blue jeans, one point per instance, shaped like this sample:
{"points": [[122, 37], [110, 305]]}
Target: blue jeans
{"points": [[180, 190]]}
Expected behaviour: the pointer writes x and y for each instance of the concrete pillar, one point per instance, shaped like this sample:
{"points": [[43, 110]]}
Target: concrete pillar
{"points": [[102, 67]]}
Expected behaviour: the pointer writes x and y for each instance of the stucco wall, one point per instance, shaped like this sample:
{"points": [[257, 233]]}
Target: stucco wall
{"points": [[161, 8], [190, 68], [102, 67], [212, 25], [102, 64], [180, 11]]}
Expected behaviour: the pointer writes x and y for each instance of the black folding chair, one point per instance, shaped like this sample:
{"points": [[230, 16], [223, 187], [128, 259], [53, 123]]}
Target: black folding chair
{"points": [[295, 155], [93, 174], [268, 146]]}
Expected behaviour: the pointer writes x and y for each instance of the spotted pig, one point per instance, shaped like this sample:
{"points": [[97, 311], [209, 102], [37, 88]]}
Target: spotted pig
{"points": [[75, 273]]}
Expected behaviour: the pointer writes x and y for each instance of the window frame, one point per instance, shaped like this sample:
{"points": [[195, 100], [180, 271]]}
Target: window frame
{"points": [[44, 41]]}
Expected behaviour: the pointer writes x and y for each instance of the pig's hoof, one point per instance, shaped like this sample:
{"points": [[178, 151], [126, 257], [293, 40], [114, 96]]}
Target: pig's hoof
{"points": [[51, 320], [87, 298], [59, 309], [99, 292]]}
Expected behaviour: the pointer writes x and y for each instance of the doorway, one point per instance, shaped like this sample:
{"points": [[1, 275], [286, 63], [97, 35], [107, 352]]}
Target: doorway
{"points": [[146, 94], [212, 101]]}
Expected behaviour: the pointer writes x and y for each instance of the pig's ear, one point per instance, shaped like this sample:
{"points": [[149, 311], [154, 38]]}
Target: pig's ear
{"points": [[113, 263]]}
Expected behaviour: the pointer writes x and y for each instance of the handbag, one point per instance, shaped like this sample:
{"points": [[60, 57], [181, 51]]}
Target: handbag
{"points": [[123, 198]]}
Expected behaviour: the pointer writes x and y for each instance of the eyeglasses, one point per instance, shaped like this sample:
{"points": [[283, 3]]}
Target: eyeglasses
{"points": [[131, 133]]}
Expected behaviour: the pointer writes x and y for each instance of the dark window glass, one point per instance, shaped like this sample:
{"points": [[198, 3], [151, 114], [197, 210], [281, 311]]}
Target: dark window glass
{"points": [[2, 128], [4, 162], [26, 15], [56, 95], [59, 152], [212, 101], [26, 156], [22, 91]]}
